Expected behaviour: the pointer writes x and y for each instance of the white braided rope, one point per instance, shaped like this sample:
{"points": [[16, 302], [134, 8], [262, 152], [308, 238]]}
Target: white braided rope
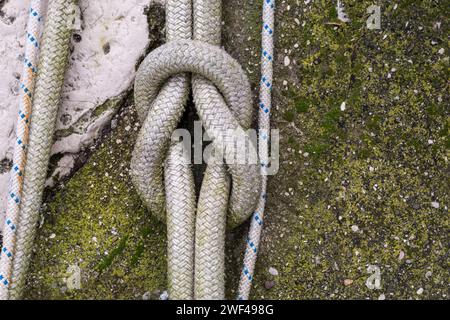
{"points": [[265, 103], [53, 61], [30, 61], [222, 97]]}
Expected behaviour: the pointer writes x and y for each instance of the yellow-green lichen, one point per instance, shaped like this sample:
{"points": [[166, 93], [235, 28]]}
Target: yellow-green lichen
{"points": [[97, 222]]}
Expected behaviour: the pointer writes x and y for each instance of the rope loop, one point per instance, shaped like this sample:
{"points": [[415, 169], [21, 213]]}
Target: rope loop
{"points": [[161, 169]]}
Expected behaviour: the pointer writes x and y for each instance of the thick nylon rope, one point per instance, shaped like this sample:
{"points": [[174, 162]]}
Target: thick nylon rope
{"points": [[196, 232], [33, 35], [265, 104]]}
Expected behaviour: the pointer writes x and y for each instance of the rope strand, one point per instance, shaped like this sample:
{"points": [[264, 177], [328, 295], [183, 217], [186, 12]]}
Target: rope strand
{"points": [[30, 62], [265, 104]]}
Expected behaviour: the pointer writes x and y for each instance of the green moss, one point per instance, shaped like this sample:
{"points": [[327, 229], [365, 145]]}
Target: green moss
{"points": [[97, 222], [302, 105], [289, 115], [332, 12], [330, 120], [112, 104], [108, 260]]}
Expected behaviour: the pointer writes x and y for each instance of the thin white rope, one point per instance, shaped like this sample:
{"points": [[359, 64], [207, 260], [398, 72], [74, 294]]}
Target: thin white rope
{"points": [[33, 35], [264, 106]]}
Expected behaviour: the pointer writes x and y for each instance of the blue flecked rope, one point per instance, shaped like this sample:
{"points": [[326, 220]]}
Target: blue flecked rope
{"points": [[265, 103], [33, 35]]}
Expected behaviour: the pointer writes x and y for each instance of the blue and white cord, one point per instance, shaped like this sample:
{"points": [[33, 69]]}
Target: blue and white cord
{"points": [[30, 61], [264, 106]]}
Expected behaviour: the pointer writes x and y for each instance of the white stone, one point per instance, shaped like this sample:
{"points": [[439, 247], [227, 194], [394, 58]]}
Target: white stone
{"points": [[343, 106], [273, 271], [435, 204], [287, 61], [164, 296]]}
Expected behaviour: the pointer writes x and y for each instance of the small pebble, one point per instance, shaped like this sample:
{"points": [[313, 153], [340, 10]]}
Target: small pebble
{"points": [[355, 228], [287, 61], [401, 255], [435, 204], [343, 106], [146, 296], [164, 296], [52, 236], [273, 271], [382, 297], [269, 284], [420, 291], [348, 282]]}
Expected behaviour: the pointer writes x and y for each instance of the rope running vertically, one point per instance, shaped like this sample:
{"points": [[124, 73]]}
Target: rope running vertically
{"points": [[222, 96], [265, 105], [49, 82], [30, 58]]}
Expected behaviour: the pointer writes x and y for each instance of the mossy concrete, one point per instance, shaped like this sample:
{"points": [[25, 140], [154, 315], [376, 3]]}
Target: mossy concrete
{"points": [[97, 222], [361, 183]]}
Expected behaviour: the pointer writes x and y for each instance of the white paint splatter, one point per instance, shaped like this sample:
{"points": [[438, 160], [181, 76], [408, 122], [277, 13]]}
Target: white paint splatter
{"points": [[342, 15]]}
